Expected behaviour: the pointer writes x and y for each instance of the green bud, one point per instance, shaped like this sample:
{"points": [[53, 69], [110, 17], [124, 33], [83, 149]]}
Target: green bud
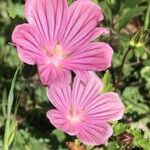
{"points": [[140, 38]]}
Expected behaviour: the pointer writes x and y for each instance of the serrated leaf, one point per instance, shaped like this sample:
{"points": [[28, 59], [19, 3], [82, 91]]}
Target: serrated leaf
{"points": [[139, 141], [112, 146], [12, 13], [15, 10], [107, 82], [119, 128]]}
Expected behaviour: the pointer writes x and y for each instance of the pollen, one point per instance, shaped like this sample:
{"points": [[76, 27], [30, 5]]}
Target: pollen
{"points": [[54, 56], [58, 50]]}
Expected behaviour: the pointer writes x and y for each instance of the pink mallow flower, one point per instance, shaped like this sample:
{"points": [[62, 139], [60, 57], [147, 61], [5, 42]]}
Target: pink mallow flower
{"points": [[82, 110], [58, 39]]}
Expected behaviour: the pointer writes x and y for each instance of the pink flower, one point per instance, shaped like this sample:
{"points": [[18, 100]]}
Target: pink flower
{"points": [[82, 111], [58, 38]]}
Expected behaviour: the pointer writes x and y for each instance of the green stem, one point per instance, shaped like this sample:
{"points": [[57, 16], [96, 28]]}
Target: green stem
{"points": [[9, 108], [122, 65], [6, 135], [147, 17]]}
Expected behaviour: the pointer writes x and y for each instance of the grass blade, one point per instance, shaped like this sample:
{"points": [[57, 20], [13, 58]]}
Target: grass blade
{"points": [[9, 108]]}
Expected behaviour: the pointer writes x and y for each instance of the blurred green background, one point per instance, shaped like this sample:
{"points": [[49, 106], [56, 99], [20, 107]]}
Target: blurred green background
{"points": [[129, 23]]}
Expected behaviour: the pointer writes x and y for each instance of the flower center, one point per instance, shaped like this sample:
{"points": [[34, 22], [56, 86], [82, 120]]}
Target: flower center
{"points": [[74, 116], [54, 56]]}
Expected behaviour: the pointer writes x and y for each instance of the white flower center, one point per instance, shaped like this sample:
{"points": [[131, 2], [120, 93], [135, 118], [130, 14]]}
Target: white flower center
{"points": [[54, 56], [74, 116]]}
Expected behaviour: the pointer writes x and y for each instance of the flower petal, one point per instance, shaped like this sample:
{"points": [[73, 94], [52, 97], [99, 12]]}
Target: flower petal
{"points": [[58, 119], [83, 18], [106, 107], [100, 31], [82, 74], [48, 16], [84, 92], [28, 43], [92, 132], [51, 75], [93, 56], [60, 97]]}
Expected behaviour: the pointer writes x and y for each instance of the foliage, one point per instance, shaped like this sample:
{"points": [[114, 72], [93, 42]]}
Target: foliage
{"points": [[129, 75]]}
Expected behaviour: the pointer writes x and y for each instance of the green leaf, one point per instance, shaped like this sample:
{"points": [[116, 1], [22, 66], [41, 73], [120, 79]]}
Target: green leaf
{"points": [[112, 146], [59, 134], [9, 108], [70, 1], [140, 51], [127, 15], [107, 10], [37, 145], [119, 128], [107, 82], [27, 140], [139, 141], [145, 73], [130, 3], [39, 92], [12, 13], [12, 131], [132, 97], [96, 1], [117, 59], [15, 10], [127, 70], [11, 94]]}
